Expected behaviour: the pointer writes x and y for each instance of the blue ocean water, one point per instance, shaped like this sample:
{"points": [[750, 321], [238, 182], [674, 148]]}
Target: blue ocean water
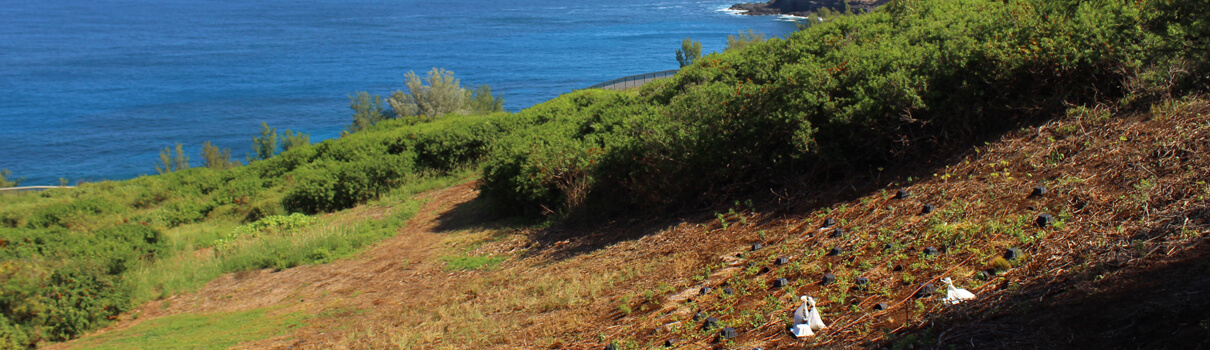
{"points": [[93, 89]]}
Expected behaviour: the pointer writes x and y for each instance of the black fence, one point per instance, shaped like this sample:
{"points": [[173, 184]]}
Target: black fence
{"points": [[633, 80]]}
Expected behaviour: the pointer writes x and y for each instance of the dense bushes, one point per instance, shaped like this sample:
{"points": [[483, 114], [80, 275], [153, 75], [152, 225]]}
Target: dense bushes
{"points": [[364, 165], [548, 163], [331, 185], [56, 283], [853, 92], [123, 246]]}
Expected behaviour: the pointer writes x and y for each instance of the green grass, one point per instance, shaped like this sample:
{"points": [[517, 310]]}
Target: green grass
{"points": [[198, 331], [186, 256], [320, 243], [471, 262]]}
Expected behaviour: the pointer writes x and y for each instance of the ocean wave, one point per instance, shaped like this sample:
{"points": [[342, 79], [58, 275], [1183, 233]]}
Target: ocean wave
{"points": [[727, 9], [793, 18]]}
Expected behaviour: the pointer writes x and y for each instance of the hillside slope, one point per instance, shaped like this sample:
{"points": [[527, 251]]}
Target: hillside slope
{"points": [[1123, 263], [648, 196]]}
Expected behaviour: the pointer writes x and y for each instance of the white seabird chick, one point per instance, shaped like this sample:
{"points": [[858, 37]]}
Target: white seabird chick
{"points": [[800, 315], [954, 295], [801, 327], [814, 320]]}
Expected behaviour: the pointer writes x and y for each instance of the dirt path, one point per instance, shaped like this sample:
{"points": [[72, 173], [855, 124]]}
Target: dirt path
{"points": [[386, 269], [370, 285]]}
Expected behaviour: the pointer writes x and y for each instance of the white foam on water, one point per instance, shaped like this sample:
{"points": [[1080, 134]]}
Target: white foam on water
{"points": [[793, 18], [727, 9]]}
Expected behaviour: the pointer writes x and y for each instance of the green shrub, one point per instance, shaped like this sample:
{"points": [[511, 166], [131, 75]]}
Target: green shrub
{"points": [[315, 192], [194, 182], [183, 212], [124, 246], [552, 163], [263, 208], [364, 165], [150, 197], [238, 187], [12, 336], [6, 180], [55, 284], [289, 160], [275, 225], [215, 158], [59, 214], [852, 92], [326, 186], [77, 298], [456, 143]]}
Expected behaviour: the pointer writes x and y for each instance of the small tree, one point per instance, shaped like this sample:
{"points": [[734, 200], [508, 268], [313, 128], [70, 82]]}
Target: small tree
{"points": [[737, 42], [690, 51], [265, 145], [482, 102], [215, 158], [292, 139], [7, 181], [170, 162], [367, 111], [443, 95]]}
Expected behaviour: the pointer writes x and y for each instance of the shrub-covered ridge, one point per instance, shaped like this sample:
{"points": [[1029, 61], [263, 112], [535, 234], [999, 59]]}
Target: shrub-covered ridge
{"points": [[856, 91]]}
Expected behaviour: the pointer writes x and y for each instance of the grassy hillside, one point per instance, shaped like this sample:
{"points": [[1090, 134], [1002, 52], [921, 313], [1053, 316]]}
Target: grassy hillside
{"points": [[1127, 242], [74, 258], [852, 94], [899, 88]]}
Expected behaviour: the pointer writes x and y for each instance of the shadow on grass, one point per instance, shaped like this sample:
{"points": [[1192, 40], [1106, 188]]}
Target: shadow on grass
{"points": [[791, 197], [792, 193], [475, 214]]}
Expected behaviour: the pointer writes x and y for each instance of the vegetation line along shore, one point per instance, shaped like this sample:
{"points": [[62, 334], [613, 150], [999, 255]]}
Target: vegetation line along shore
{"points": [[912, 81]]}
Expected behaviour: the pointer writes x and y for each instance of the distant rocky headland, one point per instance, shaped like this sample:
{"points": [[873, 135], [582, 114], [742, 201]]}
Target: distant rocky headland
{"points": [[802, 7]]}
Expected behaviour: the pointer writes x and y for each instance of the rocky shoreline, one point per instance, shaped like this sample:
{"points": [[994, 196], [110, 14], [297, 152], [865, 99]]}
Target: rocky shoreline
{"points": [[802, 7]]}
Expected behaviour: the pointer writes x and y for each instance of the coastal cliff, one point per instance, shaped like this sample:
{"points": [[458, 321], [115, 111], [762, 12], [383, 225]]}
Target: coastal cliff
{"points": [[802, 7]]}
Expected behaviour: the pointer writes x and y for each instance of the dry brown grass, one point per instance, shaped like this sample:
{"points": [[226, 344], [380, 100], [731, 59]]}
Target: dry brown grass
{"points": [[1122, 189], [1125, 190]]}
